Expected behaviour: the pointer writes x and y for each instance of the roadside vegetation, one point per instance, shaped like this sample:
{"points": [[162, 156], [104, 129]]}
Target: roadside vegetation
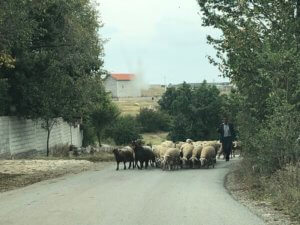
{"points": [[259, 52]]}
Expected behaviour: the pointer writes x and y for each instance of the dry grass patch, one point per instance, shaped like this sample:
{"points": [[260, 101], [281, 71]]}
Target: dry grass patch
{"points": [[20, 173], [281, 190], [97, 157], [155, 138], [133, 106]]}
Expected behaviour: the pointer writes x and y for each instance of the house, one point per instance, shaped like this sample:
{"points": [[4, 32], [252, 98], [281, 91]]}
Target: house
{"points": [[122, 85]]}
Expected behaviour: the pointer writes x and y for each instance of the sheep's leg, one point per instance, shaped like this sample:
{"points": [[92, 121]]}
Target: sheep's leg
{"points": [[124, 165], [117, 165], [137, 165], [146, 164], [129, 165]]}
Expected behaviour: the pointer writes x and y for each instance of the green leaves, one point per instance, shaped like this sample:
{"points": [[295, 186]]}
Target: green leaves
{"points": [[196, 111]]}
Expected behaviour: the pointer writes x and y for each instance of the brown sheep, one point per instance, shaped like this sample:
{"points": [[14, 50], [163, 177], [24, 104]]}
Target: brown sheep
{"points": [[124, 155]]}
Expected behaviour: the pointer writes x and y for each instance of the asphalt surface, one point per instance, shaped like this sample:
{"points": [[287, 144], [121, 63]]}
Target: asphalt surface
{"points": [[109, 197]]}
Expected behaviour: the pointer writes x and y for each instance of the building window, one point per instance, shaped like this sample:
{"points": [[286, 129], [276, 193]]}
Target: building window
{"points": [[122, 86]]}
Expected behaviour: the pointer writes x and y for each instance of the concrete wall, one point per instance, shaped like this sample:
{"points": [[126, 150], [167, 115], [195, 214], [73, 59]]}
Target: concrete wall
{"points": [[20, 135], [122, 89], [128, 89], [110, 85]]}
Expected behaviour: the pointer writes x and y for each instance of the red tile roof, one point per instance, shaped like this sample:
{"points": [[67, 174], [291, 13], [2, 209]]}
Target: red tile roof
{"points": [[123, 76]]}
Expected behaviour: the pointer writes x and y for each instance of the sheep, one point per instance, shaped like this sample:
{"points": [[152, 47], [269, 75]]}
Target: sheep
{"points": [[196, 155], [124, 155], [197, 143], [189, 141], [207, 157], [186, 152], [236, 145], [151, 154], [142, 154], [159, 152], [168, 144], [217, 146], [171, 159], [179, 144]]}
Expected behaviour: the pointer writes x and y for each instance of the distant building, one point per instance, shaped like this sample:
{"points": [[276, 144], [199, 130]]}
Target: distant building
{"points": [[122, 85]]}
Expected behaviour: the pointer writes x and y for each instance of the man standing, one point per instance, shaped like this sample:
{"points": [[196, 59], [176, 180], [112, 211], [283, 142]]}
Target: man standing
{"points": [[227, 135]]}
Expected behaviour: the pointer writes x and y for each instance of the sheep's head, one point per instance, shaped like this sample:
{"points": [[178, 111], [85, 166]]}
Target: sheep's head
{"points": [[115, 151], [203, 161]]}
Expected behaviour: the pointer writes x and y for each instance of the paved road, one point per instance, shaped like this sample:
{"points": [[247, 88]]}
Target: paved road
{"points": [[110, 197]]}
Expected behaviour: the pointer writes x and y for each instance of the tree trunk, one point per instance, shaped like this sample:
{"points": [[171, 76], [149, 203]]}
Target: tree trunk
{"points": [[71, 134], [48, 138], [99, 138]]}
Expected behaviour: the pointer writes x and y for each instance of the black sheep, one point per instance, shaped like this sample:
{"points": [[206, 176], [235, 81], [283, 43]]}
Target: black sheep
{"points": [[124, 155], [143, 154]]}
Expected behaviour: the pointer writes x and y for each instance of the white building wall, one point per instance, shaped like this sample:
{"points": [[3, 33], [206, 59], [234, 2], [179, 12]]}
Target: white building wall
{"points": [[20, 135], [110, 85], [128, 89]]}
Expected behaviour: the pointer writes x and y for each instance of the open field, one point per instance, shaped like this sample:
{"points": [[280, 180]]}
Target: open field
{"points": [[132, 106], [154, 90], [155, 138]]}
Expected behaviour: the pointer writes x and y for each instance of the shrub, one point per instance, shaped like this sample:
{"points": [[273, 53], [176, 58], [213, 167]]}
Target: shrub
{"points": [[153, 120], [124, 130], [271, 144]]}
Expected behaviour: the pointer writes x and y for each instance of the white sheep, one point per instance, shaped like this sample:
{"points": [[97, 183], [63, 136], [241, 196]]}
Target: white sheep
{"points": [[190, 141], [168, 144], [208, 156], [216, 144], [186, 152], [159, 152], [196, 155], [171, 159], [179, 144]]}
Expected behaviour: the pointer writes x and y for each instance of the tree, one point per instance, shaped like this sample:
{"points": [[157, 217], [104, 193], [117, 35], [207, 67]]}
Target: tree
{"points": [[125, 130], [102, 117], [53, 47], [196, 111], [258, 50], [152, 120]]}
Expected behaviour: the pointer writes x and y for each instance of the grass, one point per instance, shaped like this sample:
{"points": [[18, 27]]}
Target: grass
{"points": [[133, 106], [281, 188], [155, 138]]}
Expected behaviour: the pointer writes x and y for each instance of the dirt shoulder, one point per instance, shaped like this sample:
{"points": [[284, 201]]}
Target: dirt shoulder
{"points": [[261, 208], [20, 173]]}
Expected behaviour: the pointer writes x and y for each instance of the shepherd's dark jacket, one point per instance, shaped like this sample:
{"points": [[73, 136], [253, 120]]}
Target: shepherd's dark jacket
{"points": [[221, 131]]}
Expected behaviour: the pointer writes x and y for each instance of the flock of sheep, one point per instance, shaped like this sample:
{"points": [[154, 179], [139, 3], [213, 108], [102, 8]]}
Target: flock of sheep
{"points": [[170, 155]]}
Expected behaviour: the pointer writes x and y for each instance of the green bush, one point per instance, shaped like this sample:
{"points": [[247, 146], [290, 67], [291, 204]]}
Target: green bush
{"points": [[124, 130], [271, 145], [153, 120]]}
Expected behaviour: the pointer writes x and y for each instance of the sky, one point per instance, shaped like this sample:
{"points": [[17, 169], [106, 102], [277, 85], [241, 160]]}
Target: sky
{"points": [[161, 40]]}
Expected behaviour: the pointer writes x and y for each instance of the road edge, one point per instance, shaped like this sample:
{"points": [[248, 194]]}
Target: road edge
{"points": [[262, 209]]}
